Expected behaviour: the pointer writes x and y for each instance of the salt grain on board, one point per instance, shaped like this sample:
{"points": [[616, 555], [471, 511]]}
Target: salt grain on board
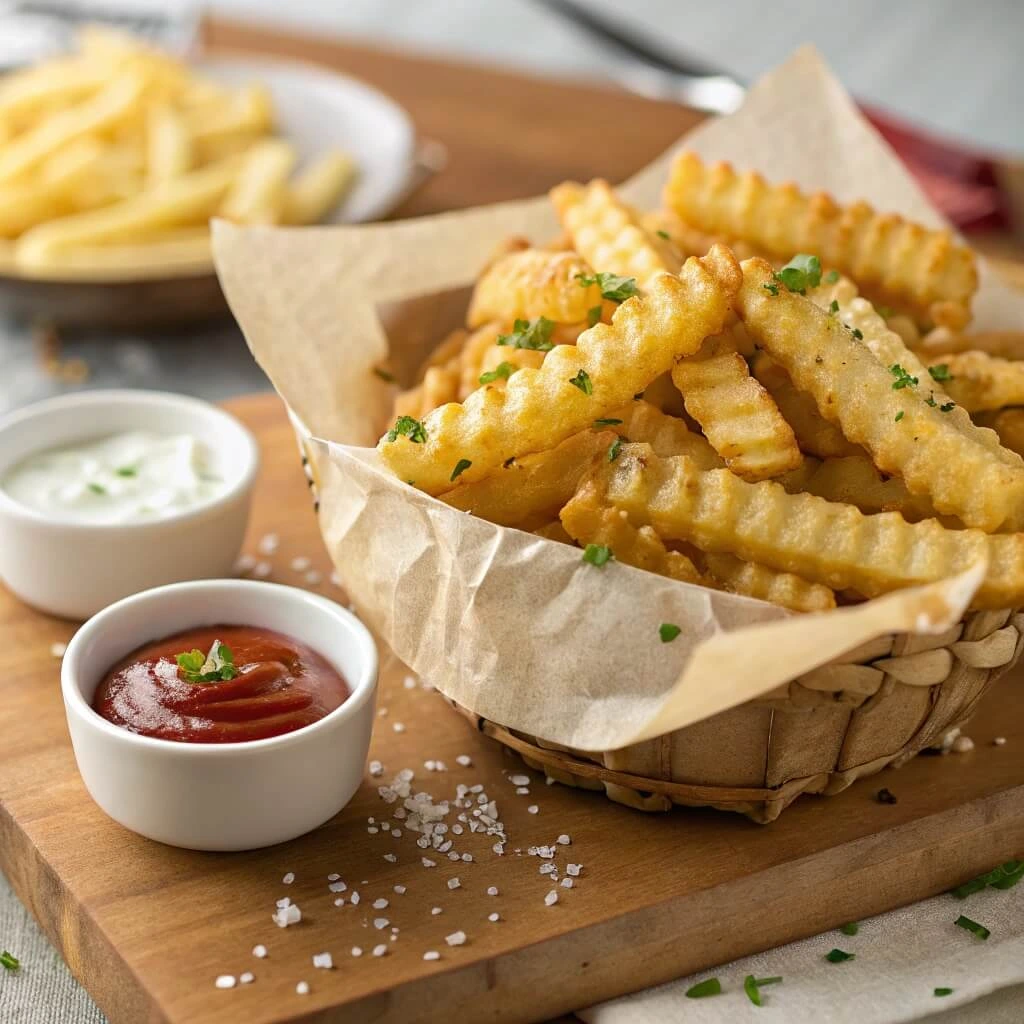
{"points": [[520, 780], [532, 809], [436, 910], [465, 760], [286, 916], [302, 988], [999, 741], [563, 840], [409, 682], [313, 577], [259, 951], [566, 883], [456, 939], [333, 876], [400, 889], [58, 650], [380, 904], [244, 564], [431, 954], [494, 917], [323, 960], [357, 951], [380, 923], [551, 899], [453, 883], [354, 898], [390, 858], [225, 981], [337, 886], [380, 950], [248, 978], [492, 890], [289, 878], [398, 727]]}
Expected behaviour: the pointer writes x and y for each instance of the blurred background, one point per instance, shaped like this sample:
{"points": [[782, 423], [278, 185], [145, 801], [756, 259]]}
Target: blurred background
{"points": [[942, 65]]}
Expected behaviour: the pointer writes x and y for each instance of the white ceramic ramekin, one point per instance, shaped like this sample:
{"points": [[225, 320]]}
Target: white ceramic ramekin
{"points": [[75, 569], [222, 796]]}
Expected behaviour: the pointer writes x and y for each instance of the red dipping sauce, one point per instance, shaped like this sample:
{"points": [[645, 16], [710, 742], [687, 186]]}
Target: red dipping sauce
{"points": [[281, 685]]}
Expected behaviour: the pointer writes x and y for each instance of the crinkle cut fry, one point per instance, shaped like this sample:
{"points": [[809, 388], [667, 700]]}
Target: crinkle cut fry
{"points": [[983, 383], [962, 475], [737, 415], [941, 341], [926, 271], [825, 542], [608, 234], [1009, 425], [667, 435], [440, 384], [781, 588], [533, 283], [611, 363]]}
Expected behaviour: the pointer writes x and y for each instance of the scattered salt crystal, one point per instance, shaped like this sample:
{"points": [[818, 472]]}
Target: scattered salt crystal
{"points": [[400, 889], [409, 682], [373, 830], [573, 869], [435, 911], [963, 745], [333, 876], [225, 981], [382, 712], [522, 790], [532, 809], [467, 858], [453, 883], [268, 544], [302, 988], [398, 727], [566, 883], [58, 650], [380, 950], [301, 563], [283, 902], [428, 863], [313, 577], [340, 901], [337, 886], [563, 840], [380, 923], [547, 868], [289, 878], [520, 780], [248, 978], [456, 939], [385, 826], [431, 954], [244, 564], [453, 855], [499, 849], [357, 951], [464, 759], [492, 890], [261, 569], [390, 857], [397, 833], [354, 898], [259, 951], [380, 904], [457, 829], [494, 917], [999, 741], [551, 899], [286, 916], [323, 960]]}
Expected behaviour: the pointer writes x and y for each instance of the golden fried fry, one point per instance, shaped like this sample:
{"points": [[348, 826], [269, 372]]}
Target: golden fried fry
{"points": [[533, 283], [896, 261], [318, 188], [687, 240], [479, 343], [935, 453], [450, 347], [256, 195], [168, 145], [983, 383], [824, 542], [737, 415], [440, 384], [576, 383], [814, 434], [528, 492], [667, 435], [1009, 425], [781, 588], [607, 233], [502, 361], [942, 341], [554, 531]]}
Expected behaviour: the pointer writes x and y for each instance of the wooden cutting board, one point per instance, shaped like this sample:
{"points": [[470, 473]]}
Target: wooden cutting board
{"points": [[147, 928]]}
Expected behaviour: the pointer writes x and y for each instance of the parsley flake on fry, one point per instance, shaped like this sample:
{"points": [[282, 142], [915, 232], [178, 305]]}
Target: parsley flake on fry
{"points": [[217, 665], [593, 315], [972, 926], [769, 286], [460, 467], [903, 379], [407, 427], [898, 416], [831, 277], [531, 334], [661, 233], [597, 554], [384, 375], [613, 287], [501, 372], [703, 989], [613, 451], [940, 372], [582, 381], [800, 273], [609, 422]]}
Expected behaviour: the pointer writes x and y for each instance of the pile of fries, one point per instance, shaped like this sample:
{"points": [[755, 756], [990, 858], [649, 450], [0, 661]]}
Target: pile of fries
{"points": [[812, 426], [119, 155]]}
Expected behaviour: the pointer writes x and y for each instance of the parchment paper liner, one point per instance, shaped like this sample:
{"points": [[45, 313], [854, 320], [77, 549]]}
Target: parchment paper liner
{"points": [[516, 630]]}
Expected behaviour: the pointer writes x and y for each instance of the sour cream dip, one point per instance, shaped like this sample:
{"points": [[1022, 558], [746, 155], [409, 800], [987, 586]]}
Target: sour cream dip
{"points": [[130, 477]]}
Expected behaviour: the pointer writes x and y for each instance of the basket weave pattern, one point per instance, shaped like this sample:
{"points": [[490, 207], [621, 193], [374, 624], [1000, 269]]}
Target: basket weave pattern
{"points": [[878, 706]]}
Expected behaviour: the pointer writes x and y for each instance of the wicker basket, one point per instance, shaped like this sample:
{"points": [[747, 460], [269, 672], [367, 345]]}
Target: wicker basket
{"points": [[877, 707]]}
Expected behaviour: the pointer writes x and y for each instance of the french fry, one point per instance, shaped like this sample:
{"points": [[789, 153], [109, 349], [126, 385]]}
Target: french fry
{"points": [[687, 240], [166, 251], [667, 435], [823, 542], [737, 415], [450, 347], [440, 384], [533, 283], [935, 453], [941, 341], [257, 192], [781, 588], [499, 362], [1009, 425], [530, 491], [168, 145], [814, 434], [477, 345], [318, 188], [575, 385], [554, 531], [983, 383], [898, 261], [607, 232], [55, 84], [248, 112]]}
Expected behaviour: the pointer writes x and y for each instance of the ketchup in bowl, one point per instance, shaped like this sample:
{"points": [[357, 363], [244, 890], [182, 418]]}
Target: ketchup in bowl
{"points": [[220, 684]]}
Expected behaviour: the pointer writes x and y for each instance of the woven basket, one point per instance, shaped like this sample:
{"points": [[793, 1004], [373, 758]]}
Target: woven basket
{"points": [[878, 706]]}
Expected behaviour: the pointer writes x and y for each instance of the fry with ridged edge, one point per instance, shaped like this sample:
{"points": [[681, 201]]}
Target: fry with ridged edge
{"points": [[933, 453], [942, 341], [667, 435], [898, 261], [781, 588], [440, 384], [526, 285], [576, 384], [979, 382], [737, 415], [1009, 425], [824, 542], [608, 234]]}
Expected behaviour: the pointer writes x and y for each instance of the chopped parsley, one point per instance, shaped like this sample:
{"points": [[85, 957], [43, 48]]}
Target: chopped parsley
{"points": [[407, 427], [668, 631], [598, 424], [663, 234], [501, 372], [615, 449], [582, 381], [832, 276], [597, 554], [752, 987], [898, 416], [97, 488], [217, 665], [942, 992], [930, 400], [703, 989], [903, 379], [837, 956], [947, 407], [384, 375], [800, 273], [613, 287], [771, 286], [850, 928], [593, 315], [532, 334], [940, 372], [126, 471], [833, 307], [972, 926], [857, 333], [1006, 876], [460, 467], [9, 960]]}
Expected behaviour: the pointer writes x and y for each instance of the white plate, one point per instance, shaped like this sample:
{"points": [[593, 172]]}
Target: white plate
{"points": [[317, 110]]}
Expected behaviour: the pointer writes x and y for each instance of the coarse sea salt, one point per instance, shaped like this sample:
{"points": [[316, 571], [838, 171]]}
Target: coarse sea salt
{"points": [[436, 910], [247, 978], [493, 917], [398, 727], [566, 883], [532, 809], [409, 682], [302, 988], [337, 886], [357, 951], [380, 923], [390, 858], [563, 840], [492, 890], [58, 650], [313, 577], [323, 960], [453, 883], [380, 950], [431, 954], [289, 878], [244, 564], [286, 916], [380, 904], [456, 939], [376, 769], [573, 869], [259, 951], [300, 563], [268, 544], [520, 780], [465, 760], [551, 899], [400, 889], [262, 570], [225, 981]]}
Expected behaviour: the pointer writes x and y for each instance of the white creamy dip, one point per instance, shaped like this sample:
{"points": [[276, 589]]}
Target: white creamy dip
{"points": [[131, 477]]}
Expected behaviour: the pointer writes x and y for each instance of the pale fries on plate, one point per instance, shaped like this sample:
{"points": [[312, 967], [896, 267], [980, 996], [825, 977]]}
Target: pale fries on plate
{"points": [[762, 427], [118, 156]]}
